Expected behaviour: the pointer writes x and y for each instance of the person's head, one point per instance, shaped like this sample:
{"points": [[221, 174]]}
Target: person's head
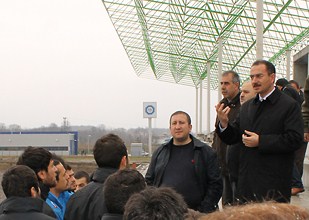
{"points": [[260, 211], [81, 179], [110, 151], [62, 179], [262, 74], [281, 83], [59, 160], [180, 127], [247, 92], [155, 203], [21, 181], [118, 188], [40, 161], [71, 178], [230, 83], [295, 85]]}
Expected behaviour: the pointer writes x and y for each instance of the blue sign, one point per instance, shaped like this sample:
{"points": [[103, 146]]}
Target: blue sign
{"points": [[150, 109]]}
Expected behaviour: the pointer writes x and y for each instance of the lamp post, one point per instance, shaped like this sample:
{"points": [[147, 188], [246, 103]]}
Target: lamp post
{"points": [[89, 136], [64, 123]]}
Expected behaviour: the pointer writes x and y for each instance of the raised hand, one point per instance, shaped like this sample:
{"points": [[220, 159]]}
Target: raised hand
{"points": [[222, 113]]}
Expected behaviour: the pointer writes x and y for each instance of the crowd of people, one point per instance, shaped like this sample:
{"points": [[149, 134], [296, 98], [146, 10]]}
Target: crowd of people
{"points": [[254, 164]]}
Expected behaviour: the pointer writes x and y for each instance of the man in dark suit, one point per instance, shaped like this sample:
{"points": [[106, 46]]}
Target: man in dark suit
{"points": [[299, 155], [270, 129]]}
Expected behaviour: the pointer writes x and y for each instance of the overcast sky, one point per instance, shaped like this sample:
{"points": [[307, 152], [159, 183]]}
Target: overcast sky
{"points": [[63, 58]]}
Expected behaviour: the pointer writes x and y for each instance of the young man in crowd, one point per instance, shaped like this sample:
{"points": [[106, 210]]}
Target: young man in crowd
{"points": [[21, 187], [118, 188], [55, 195], [110, 154], [71, 180], [81, 179], [156, 203], [41, 162]]}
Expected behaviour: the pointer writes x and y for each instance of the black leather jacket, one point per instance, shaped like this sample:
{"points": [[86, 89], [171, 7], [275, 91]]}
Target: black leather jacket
{"points": [[88, 203], [110, 216], [206, 168], [23, 208]]}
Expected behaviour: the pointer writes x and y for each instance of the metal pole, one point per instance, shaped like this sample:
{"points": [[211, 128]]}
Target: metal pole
{"points": [[196, 109], [201, 106], [259, 29], [208, 97], [288, 64], [149, 137], [220, 53], [88, 152]]}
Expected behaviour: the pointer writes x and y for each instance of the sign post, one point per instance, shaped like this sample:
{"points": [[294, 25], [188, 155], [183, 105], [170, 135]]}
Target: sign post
{"points": [[150, 111]]}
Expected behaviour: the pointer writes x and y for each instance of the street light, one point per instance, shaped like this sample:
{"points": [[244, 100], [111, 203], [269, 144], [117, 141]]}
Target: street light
{"points": [[89, 136]]}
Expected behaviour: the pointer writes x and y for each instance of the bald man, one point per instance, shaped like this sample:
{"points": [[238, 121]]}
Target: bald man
{"points": [[246, 93]]}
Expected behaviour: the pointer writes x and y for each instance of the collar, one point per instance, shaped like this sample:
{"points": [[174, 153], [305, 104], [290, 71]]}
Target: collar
{"points": [[233, 103], [196, 142], [264, 98], [21, 204], [101, 173], [273, 96]]}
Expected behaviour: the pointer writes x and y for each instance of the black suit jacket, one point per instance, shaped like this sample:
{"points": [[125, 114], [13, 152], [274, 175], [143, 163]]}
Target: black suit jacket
{"points": [[265, 171]]}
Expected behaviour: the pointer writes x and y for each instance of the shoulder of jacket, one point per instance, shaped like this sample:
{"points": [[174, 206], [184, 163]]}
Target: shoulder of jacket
{"points": [[200, 145]]}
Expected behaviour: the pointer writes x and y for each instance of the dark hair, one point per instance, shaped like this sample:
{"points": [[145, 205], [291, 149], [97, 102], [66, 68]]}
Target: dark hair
{"points": [[68, 167], [118, 188], [181, 112], [155, 203], [57, 159], [18, 181], [109, 150], [294, 82], [81, 174], [37, 158], [236, 78], [282, 82], [269, 66]]}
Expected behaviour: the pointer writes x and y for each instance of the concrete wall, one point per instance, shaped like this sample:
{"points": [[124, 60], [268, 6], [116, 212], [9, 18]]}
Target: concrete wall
{"points": [[300, 66]]}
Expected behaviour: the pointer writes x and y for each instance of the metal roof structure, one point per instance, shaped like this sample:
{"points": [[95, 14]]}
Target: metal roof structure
{"points": [[172, 40]]}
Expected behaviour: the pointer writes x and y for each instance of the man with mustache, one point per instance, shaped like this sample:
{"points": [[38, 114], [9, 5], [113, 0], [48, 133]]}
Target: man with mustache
{"points": [[230, 83], [270, 128]]}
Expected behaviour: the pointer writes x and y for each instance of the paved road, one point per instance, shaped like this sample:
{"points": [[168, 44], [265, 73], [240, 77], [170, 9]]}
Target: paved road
{"points": [[302, 199]]}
